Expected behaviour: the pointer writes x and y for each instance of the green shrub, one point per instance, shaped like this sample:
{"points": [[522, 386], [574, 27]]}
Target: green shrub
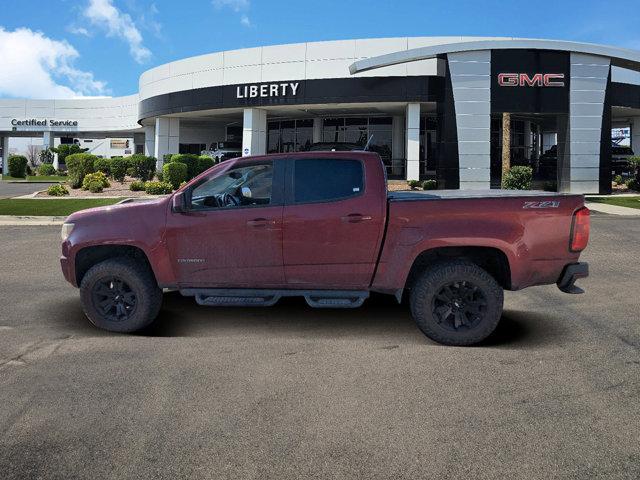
{"points": [[57, 190], [143, 167], [633, 184], [137, 186], [98, 177], [46, 169], [78, 166], [119, 167], [62, 173], [166, 158], [174, 173], [160, 175], [518, 178], [158, 188], [17, 166], [94, 186], [103, 165], [413, 184], [190, 160], [204, 163], [65, 150], [429, 185], [131, 172], [30, 171], [618, 180]]}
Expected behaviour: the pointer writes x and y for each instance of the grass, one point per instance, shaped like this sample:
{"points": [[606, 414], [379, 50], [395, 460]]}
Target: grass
{"points": [[55, 207], [37, 178], [631, 202]]}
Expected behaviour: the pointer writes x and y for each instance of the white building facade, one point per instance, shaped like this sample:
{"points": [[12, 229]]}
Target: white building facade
{"points": [[430, 106]]}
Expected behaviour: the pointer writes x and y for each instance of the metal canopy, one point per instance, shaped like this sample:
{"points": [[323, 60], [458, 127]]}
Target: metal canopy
{"points": [[620, 57]]}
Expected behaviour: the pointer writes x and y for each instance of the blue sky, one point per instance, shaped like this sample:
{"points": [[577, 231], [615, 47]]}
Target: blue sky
{"points": [[65, 48]]}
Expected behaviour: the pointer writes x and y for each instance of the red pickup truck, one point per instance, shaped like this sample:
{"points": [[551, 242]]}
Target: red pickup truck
{"points": [[323, 226]]}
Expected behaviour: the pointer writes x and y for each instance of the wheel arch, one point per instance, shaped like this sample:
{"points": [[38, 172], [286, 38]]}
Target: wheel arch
{"points": [[89, 256], [491, 259]]}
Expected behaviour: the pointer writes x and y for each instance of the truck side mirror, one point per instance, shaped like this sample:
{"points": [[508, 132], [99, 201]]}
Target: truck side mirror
{"points": [[179, 203]]}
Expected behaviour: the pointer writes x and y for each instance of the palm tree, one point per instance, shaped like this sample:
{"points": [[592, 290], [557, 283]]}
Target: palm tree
{"points": [[506, 144]]}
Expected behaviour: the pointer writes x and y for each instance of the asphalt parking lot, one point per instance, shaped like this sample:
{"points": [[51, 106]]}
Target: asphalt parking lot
{"points": [[290, 392], [13, 189]]}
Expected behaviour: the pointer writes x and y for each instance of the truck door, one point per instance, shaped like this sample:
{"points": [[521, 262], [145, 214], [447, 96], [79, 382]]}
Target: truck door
{"points": [[231, 235], [332, 225]]}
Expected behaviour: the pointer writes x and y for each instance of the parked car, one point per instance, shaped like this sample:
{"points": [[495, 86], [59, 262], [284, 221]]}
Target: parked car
{"points": [[221, 151], [323, 226]]}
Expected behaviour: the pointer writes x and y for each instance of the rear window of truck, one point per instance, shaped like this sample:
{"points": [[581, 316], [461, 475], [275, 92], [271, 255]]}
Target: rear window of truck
{"points": [[323, 180]]}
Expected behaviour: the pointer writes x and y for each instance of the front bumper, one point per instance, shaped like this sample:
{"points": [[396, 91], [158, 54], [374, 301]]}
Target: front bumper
{"points": [[570, 274]]}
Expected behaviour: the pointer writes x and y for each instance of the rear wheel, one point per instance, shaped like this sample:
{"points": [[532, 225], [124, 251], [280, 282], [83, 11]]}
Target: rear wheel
{"points": [[120, 295], [456, 303]]}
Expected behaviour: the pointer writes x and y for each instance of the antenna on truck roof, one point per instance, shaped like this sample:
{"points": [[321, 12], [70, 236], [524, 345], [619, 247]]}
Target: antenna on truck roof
{"points": [[366, 147]]}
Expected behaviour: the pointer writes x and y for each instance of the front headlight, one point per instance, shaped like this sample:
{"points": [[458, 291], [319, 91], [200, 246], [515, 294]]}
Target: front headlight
{"points": [[66, 230]]}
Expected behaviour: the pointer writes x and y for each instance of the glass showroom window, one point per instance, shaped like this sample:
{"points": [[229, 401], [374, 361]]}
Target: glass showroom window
{"points": [[537, 141], [289, 136]]}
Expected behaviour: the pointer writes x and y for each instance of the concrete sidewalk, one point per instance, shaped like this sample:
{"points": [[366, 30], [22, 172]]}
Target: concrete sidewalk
{"points": [[612, 209]]}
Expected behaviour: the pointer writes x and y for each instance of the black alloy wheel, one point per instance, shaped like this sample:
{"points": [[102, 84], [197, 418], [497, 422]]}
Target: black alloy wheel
{"points": [[114, 299], [459, 305]]}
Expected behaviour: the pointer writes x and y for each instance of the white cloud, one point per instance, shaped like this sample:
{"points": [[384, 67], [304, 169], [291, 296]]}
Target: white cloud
{"points": [[78, 31], [35, 66], [103, 14], [235, 5]]}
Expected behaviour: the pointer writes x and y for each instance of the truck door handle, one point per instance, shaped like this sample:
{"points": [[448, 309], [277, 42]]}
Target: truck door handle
{"points": [[356, 218], [260, 222]]}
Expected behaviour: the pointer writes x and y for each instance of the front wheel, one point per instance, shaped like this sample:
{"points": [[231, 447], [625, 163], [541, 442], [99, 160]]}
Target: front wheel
{"points": [[456, 303], [120, 295]]}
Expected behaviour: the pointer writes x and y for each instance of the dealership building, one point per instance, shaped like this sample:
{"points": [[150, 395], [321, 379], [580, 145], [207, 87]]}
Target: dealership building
{"points": [[433, 107]]}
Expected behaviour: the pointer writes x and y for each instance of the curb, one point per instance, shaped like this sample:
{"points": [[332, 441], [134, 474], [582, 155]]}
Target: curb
{"points": [[14, 220]]}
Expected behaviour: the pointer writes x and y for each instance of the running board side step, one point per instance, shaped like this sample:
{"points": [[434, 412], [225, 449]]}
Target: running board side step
{"points": [[225, 297]]}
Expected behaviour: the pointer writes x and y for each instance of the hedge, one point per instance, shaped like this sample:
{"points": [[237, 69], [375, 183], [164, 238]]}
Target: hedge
{"points": [[518, 178], [205, 162], [190, 160], [18, 166], [46, 169], [143, 167], [102, 165], [119, 167], [157, 188], [78, 166], [174, 173]]}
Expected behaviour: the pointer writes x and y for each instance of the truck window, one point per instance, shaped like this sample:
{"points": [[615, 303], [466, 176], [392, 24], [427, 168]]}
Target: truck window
{"points": [[238, 187], [321, 180]]}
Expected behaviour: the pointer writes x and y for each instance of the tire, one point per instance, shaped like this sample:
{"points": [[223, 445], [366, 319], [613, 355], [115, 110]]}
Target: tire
{"points": [[456, 303], [120, 295]]}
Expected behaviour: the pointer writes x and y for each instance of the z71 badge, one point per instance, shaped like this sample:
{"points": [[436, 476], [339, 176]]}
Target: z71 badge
{"points": [[547, 204]]}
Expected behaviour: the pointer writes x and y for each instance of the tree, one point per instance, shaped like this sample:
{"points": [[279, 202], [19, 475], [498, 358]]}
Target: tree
{"points": [[33, 155], [46, 155], [65, 150], [506, 143]]}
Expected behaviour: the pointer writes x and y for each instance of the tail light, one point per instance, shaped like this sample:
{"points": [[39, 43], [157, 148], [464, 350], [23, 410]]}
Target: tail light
{"points": [[580, 230]]}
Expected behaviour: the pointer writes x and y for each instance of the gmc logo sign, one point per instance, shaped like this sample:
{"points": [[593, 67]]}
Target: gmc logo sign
{"points": [[537, 80]]}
